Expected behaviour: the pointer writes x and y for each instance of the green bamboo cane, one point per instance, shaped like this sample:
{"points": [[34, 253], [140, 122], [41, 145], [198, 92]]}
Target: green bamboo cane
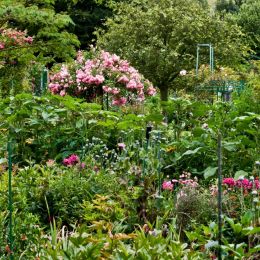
{"points": [[219, 196], [10, 199], [159, 166]]}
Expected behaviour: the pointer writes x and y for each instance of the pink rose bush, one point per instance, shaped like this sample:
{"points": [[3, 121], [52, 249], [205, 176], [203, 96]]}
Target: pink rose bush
{"points": [[104, 73], [12, 37]]}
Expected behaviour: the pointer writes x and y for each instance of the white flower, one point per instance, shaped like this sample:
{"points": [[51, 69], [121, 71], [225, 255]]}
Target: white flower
{"points": [[183, 72], [255, 200], [205, 126], [254, 192]]}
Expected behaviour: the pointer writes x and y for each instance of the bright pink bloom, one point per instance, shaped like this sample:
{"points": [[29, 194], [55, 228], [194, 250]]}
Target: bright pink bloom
{"points": [[71, 160], [167, 185], [229, 181]]}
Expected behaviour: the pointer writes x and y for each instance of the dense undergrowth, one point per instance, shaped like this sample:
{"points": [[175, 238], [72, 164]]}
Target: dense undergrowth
{"points": [[95, 184]]}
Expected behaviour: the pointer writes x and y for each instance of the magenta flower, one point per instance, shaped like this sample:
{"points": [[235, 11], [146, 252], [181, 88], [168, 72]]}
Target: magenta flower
{"points": [[167, 185], [71, 160], [229, 181]]}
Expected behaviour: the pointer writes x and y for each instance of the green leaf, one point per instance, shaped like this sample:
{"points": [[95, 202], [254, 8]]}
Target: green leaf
{"points": [[239, 174], [198, 131], [3, 160], [189, 152], [230, 146], [157, 118], [210, 171]]}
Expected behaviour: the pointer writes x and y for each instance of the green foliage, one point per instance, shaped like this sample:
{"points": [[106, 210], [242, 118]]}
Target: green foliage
{"points": [[249, 19], [40, 20], [230, 6], [165, 42]]}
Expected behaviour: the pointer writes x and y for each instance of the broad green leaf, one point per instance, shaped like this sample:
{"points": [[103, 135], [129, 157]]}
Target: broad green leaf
{"points": [[189, 152], [239, 174], [154, 118], [3, 160], [210, 171], [230, 146]]}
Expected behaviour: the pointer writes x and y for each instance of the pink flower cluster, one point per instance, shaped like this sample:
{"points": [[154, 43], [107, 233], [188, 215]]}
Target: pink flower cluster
{"points": [[60, 81], [104, 71], [244, 183], [184, 180], [71, 160], [167, 185], [12, 37]]}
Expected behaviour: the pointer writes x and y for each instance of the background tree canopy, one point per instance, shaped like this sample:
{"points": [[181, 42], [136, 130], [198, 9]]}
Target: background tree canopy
{"points": [[38, 17], [248, 18], [160, 38]]}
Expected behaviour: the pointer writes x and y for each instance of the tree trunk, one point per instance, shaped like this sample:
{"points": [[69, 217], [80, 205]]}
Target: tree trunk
{"points": [[164, 91]]}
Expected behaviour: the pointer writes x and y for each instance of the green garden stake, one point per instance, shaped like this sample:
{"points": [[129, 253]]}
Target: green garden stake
{"points": [[159, 167], [211, 57], [147, 136], [107, 102], [44, 80], [219, 196], [10, 199]]}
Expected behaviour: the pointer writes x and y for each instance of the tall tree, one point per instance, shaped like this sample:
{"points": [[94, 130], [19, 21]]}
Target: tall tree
{"points": [[39, 18], [249, 19], [230, 6], [159, 37]]}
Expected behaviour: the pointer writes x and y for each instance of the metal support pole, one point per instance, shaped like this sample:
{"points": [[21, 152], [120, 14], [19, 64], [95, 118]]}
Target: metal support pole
{"points": [[159, 166], [44, 80], [219, 196], [197, 62], [211, 57], [107, 102], [10, 199]]}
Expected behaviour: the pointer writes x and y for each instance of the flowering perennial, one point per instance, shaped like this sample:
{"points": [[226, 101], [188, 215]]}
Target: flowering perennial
{"points": [[71, 160], [12, 37], [104, 74], [167, 185], [184, 180], [241, 183]]}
